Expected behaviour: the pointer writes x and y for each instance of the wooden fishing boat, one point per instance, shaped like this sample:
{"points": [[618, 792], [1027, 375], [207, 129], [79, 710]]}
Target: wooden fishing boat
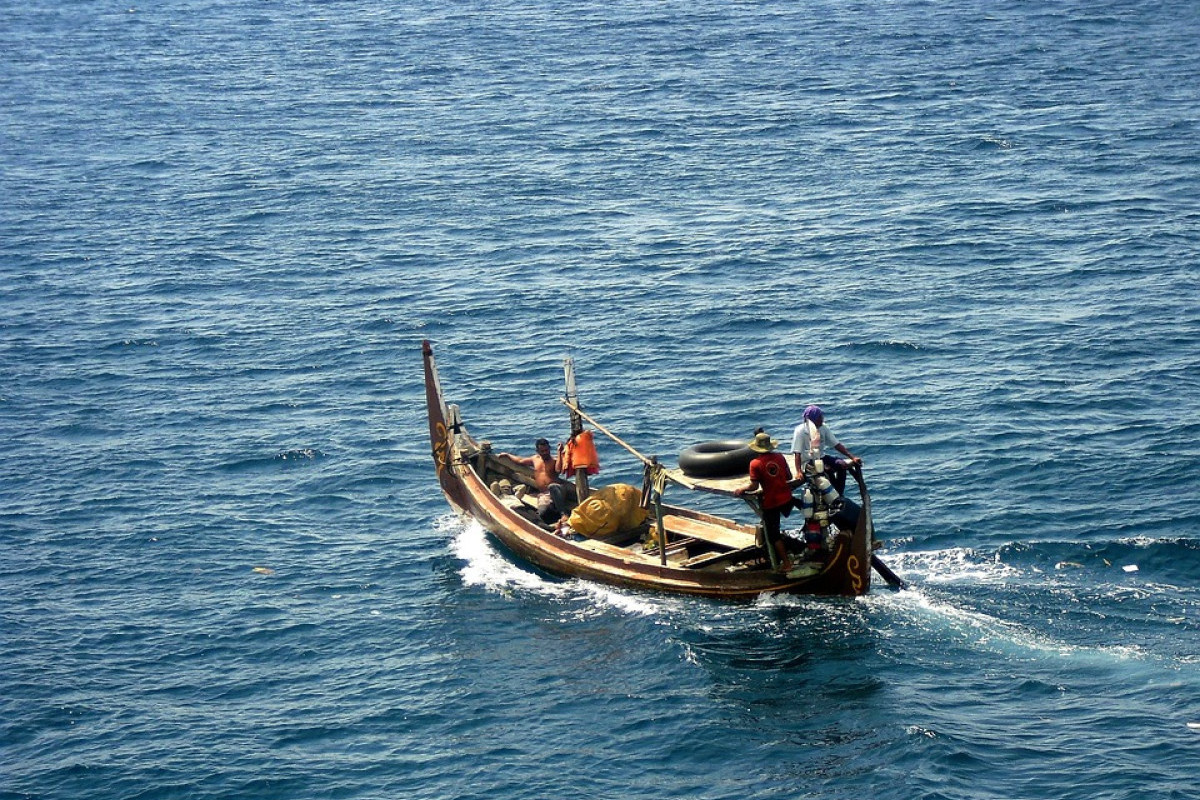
{"points": [[670, 549]]}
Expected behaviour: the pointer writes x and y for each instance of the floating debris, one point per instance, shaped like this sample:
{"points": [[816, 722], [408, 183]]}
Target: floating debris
{"points": [[264, 570], [302, 453], [1130, 567]]}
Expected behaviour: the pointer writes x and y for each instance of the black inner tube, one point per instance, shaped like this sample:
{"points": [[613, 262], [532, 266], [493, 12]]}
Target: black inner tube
{"points": [[719, 458]]}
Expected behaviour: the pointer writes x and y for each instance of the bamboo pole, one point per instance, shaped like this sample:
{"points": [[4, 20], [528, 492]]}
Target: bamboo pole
{"points": [[575, 409], [673, 476], [662, 531], [581, 477]]}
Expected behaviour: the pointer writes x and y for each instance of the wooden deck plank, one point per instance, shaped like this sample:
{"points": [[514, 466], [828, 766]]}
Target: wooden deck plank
{"points": [[707, 531], [722, 557], [628, 553]]}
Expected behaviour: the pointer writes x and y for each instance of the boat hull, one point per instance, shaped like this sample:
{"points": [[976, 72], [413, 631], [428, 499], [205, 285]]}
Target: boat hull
{"points": [[456, 456]]}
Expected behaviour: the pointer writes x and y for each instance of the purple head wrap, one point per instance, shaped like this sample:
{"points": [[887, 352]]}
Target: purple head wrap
{"points": [[814, 414]]}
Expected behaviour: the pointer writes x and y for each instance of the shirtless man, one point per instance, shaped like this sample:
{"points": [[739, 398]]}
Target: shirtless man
{"points": [[552, 502]]}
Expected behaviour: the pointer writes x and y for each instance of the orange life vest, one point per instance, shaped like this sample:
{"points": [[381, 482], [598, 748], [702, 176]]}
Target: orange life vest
{"points": [[581, 454]]}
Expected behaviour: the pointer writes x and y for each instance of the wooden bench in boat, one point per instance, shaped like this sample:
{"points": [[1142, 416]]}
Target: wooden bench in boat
{"points": [[723, 557], [601, 546], [708, 532], [675, 555]]}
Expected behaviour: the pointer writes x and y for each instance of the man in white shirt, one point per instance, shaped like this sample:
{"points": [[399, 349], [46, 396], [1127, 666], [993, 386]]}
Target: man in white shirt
{"points": [[809, 441]]}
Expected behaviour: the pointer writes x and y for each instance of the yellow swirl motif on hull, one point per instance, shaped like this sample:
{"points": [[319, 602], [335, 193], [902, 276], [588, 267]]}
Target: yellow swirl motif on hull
{"points": [[441, 448], [856, 580]]}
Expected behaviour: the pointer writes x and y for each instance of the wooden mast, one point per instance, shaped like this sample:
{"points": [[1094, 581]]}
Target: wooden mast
{"points": [[581, 473]]}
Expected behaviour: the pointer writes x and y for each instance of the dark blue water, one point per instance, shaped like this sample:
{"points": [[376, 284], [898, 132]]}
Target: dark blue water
{"points": [[969, 230]]}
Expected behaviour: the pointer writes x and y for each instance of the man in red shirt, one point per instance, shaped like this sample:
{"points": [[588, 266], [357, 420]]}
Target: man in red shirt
{"points": [[770, 471]]}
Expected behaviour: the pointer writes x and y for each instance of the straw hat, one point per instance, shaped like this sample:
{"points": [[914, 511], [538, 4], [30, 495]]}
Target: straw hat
{"points": [[763, 443]]}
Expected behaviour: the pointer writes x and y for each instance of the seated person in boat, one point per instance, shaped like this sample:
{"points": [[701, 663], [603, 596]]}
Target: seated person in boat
{"points": [[552, 500], [809, 441], [770, 472]]}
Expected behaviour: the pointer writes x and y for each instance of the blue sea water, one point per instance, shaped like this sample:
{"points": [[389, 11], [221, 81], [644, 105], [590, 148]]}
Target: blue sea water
{"points": [[970, 230]]}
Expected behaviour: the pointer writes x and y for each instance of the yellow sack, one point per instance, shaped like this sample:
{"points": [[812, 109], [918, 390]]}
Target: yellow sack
{"points": [[608, 510]]}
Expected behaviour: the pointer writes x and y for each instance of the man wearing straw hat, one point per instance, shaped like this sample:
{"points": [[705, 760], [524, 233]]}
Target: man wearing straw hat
{"points": [[770, 472]]}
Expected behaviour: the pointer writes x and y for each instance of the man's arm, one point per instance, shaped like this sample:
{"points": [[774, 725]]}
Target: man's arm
{"points": [[751, 487], [523, 461]]}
